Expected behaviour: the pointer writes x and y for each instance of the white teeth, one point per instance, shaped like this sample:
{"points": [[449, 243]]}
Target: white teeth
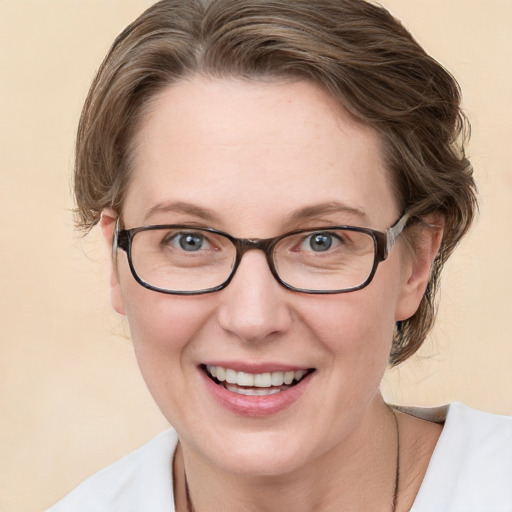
{"points": [[299, 374], [288, 377], [277, 378], [263, 380], [257, 380], [254, 391], [245, 379], [221, 374], [230, 376]]}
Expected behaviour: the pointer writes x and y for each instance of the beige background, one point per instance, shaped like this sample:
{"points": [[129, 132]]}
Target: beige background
{"points": [[71, 399]]}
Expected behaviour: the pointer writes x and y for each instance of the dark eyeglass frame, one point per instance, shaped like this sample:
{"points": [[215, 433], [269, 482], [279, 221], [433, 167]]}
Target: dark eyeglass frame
{"points": [[383, 243]]}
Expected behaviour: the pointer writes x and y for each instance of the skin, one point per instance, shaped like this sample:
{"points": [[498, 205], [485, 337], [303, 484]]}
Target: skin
{"points": [[249, 157]]}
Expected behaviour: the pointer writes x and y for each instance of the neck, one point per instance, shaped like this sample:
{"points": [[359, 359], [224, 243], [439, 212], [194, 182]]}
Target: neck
{"points": [[360, 473]]}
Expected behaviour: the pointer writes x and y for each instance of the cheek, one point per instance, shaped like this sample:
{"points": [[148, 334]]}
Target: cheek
{"points": [[159, 323], [164, 325], [359, 322], [356, 331], [163, 329]]}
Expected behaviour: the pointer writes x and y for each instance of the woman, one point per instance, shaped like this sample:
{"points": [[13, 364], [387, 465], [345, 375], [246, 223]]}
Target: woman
{"points": [[281, 184]]}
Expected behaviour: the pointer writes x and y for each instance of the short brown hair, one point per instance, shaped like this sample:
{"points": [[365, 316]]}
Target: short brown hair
{"points": [[354, 49]]}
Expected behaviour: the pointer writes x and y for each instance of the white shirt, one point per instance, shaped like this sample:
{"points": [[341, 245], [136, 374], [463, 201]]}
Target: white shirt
{"points": [[470, 470]]}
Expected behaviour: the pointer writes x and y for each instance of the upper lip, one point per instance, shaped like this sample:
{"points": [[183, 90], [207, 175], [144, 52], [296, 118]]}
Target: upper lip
{"points": [[255, 368]]}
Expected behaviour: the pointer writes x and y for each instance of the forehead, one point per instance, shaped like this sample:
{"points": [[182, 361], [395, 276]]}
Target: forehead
{"points": [[255, 149]]}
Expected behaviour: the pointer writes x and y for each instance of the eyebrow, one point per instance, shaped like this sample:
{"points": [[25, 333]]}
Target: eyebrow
{"points": [[296, 217], [331, 207], [183, 207]]}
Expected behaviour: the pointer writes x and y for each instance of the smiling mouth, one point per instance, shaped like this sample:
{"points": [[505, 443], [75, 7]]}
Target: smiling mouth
{"points": [[255, 384]]}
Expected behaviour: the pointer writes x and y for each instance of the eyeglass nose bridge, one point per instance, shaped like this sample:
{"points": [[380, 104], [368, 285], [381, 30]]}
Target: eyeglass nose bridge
{"points": [[243, 245]]}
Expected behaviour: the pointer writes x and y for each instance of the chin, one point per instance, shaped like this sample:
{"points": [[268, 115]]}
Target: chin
{"points": [[258, 454]]}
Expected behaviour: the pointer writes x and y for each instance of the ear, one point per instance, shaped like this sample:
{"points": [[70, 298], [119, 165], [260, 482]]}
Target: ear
{"points": [[426, 236], [108, 221]]}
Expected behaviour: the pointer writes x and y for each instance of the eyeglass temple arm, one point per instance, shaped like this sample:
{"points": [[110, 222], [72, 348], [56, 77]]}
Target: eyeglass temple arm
{"points": [[394, 231], [119, 239]]}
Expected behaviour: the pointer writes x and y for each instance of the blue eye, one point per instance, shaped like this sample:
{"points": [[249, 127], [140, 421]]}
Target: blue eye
{"points": [[320, 242], [190, 242]]}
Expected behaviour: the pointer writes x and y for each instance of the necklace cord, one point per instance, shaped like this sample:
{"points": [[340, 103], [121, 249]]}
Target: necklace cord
{"points": [[394, 501]]}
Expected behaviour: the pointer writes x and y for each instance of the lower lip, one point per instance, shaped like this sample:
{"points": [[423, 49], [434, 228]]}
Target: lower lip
{"points": [[255, 406]]}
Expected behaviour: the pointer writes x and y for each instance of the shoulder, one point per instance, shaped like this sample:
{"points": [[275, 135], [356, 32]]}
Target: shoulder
{"points": [[139, 480], [471, 467]]}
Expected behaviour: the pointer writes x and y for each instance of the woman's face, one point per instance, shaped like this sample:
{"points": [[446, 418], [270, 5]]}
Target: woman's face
{"points": [[257, 160]]}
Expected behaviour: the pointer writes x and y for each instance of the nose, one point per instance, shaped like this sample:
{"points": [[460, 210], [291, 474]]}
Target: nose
{"points": [[254, 306]]}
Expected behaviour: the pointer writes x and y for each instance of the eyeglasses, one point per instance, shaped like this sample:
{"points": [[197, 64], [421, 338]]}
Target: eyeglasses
{"points": [[186, 260]]}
